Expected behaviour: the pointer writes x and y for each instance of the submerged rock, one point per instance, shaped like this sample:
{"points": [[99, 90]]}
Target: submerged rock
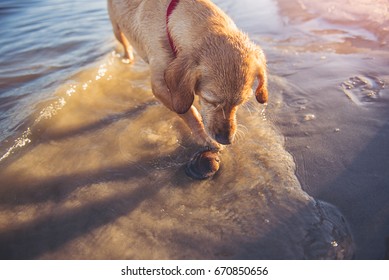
{"points": [[203, 165]]}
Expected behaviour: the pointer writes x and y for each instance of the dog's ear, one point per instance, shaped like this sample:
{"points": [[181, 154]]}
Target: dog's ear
{"points": [[181, 77], [261, 93]]}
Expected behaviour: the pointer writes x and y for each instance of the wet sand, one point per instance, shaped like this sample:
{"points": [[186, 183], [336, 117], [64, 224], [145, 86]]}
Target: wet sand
{"points": [[339, 131]]}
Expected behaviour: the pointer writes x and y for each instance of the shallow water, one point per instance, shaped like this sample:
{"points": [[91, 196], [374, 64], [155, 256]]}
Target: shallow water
{"points": [[92, 165]]}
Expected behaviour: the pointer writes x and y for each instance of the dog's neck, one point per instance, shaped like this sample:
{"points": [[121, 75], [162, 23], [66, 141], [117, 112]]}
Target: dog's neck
{"points": [[173, 4]]}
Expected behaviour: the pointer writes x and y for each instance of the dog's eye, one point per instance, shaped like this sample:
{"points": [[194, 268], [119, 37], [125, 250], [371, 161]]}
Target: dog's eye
{"points": [[206, 98], [213, 104]]}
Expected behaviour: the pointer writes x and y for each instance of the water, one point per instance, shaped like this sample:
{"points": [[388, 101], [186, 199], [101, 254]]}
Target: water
{"points": [[92, 164], [42, 44]]}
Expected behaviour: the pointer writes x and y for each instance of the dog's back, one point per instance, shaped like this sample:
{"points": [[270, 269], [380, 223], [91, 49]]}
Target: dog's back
{"points": [[143, 22]]}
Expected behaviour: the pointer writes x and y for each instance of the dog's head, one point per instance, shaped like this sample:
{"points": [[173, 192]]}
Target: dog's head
{"points": [[221, 72]]}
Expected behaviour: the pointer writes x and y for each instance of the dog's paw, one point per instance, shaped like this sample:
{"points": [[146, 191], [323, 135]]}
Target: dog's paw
{"points": [[212, 145], [203, 165]]}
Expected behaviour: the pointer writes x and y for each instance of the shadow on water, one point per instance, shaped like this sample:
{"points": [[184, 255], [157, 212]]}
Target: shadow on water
{"points": [[54, 188], [37, 137], [44, 234], [49, 233], [58, 188], [106, 121], [308, 232]]}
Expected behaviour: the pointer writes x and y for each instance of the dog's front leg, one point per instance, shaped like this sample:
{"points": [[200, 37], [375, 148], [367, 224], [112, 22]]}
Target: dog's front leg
{"points": [[194, 121]]}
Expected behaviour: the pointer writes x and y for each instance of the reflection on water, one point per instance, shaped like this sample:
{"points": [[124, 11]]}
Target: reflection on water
{"points": [[92, 165]]}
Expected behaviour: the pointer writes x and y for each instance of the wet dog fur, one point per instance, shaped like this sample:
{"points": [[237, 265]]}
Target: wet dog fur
{"points": [[215, 61]]}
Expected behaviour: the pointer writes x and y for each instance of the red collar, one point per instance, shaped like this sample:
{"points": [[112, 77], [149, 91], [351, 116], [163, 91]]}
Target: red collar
{"points": [[173, 4]]}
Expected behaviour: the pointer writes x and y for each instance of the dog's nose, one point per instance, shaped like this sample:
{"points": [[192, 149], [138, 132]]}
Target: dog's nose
{"points": [[223, 138]]}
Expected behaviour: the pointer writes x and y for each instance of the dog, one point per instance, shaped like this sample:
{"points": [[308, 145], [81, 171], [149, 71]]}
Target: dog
{"points": [[193, 48]]}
